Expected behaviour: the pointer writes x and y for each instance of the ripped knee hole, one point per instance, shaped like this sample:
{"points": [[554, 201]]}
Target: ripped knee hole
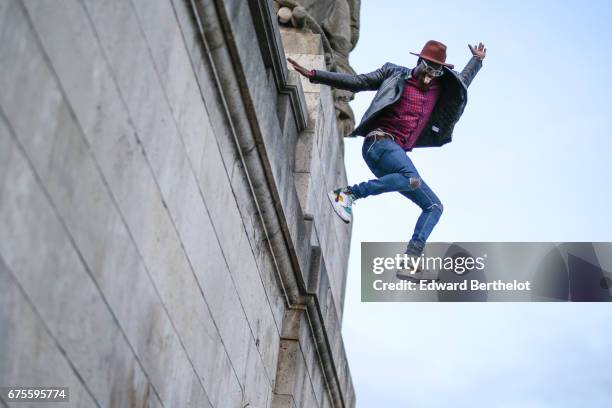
{"points": [[439, 206], [415, 182]]}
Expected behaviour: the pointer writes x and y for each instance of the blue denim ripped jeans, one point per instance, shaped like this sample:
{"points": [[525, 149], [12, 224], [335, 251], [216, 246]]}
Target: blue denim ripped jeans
{"points": [[396, 172]]}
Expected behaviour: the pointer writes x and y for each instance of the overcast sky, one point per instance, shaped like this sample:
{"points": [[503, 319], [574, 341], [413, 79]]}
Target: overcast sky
{"points": [[531, 160]]}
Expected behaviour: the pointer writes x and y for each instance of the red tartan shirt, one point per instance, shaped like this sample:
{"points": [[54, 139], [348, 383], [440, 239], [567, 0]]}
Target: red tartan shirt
{"points": [[407, 117]]}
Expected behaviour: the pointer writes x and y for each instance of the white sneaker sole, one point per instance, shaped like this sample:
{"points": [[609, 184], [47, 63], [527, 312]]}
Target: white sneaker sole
{"points": [[339, 212]]}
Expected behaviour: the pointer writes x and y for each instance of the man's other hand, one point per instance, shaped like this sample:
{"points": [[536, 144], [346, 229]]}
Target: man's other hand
{"points": [[478, 51], [303, 71]]}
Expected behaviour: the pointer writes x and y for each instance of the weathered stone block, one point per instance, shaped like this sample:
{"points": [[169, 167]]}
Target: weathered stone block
{"points": [[300, 42]]}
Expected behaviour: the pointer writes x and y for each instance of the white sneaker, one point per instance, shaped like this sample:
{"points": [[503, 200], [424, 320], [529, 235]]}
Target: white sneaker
{"points": [[342, 202]]}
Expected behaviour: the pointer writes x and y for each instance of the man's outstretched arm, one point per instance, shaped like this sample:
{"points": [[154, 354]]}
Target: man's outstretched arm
{"points": [[468, 73], [353, 83]]}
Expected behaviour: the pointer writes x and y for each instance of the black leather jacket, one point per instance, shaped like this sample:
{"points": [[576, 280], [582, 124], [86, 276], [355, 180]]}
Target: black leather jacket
{"points": [[389, 80]]}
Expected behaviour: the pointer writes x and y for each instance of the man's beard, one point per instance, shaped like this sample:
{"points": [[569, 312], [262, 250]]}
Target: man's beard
{"points": [[422, 85]]}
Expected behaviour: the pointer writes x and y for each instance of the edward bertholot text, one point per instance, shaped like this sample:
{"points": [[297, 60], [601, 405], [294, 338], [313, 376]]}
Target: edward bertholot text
{"points": [[466, 284]]}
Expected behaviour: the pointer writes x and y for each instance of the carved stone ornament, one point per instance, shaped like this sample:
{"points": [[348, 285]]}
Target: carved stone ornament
{"points": [[338, 23]]}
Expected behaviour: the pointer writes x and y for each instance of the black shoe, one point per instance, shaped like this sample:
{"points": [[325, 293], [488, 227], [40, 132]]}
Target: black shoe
{"points": [[416, 274]]}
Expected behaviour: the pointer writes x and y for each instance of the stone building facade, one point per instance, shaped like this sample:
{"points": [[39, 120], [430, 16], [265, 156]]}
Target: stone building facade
{"points": [[165, 238]]}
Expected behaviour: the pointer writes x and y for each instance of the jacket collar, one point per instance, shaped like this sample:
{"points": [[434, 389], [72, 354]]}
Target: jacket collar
{"points": [[407, 73]]}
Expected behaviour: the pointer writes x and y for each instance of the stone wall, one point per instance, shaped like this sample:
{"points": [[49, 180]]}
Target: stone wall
{"points": [[165, 239]]}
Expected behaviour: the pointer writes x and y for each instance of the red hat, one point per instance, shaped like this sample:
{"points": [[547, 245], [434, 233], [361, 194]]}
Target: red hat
{"points": [[434, 51]]}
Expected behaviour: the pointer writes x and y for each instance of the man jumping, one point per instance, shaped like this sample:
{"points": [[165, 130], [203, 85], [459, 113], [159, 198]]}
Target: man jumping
{"points": [[416, 107]]}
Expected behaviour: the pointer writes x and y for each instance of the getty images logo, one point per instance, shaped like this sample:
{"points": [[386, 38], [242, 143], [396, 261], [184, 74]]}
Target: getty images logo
{"points": [[456, 264]]}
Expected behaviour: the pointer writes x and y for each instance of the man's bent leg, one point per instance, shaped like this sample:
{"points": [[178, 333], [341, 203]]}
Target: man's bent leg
{"points": [[432, 208]]}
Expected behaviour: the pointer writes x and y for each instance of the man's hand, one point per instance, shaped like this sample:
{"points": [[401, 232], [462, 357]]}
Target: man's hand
{"points": [[305, 72], [479, 51]]}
